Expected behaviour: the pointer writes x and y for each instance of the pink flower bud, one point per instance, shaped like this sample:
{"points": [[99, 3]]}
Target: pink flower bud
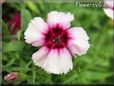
{"points": [[14, 24], [11, 76]]}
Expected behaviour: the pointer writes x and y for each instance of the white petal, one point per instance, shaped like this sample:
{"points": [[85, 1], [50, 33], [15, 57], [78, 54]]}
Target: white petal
{"points": [[58, 62], [79, 43], [33, 33], [39, 24], [108, 11], [40, 56], [59, 18]]}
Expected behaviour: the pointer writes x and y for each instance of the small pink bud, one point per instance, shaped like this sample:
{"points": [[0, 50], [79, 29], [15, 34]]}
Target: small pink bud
{"points": [[11, 76], [14, 23]]}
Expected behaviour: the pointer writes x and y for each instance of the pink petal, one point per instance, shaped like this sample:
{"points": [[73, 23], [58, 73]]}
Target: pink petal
{"points": [[79, 43], [109, 9], [109, 3], [59, 18], [33, 33], [40, 56], [58, 62]]}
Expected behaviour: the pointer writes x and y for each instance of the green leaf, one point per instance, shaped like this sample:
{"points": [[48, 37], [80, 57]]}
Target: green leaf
{"points": [[96, 75], [32, 6], [27, 66], [11, 62], [34, 76], [25, 18], [5, 29], [10, 69], [13, 46], [19, 35], [16, 6], [70, 79], [22, 76], [41, 4]]}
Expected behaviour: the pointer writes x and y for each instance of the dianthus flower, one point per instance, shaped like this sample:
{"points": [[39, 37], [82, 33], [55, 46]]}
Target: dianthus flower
{"points": [[59, 42]]}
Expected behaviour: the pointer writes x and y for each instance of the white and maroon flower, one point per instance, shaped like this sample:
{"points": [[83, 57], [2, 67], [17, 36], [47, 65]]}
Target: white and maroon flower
{"points": [[59, 42], [109, 8]]}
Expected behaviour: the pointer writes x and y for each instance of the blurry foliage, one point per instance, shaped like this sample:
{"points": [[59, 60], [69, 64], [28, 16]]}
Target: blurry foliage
{"points": [[93, 67]]}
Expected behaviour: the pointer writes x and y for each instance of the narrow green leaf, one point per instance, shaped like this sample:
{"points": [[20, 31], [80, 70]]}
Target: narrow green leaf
{"points": [[34, 76], [41, 4], [13, 46], [19, 35], [27, 66], [22, 76], [5, 29], [70, 79], [96, 75], [25, 18], [32, 6], [10, 62]]}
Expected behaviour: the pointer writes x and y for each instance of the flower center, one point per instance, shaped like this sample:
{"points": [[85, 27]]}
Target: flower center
{"points": [[56, 37], [113, 8]]}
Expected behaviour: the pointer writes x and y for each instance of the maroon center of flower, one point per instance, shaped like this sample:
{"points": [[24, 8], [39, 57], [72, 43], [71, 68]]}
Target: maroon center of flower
{"points": [[113, 8], [56, 37]]}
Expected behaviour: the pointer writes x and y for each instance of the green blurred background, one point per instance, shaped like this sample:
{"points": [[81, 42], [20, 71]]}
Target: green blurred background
{"points": [[95, 67]]}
